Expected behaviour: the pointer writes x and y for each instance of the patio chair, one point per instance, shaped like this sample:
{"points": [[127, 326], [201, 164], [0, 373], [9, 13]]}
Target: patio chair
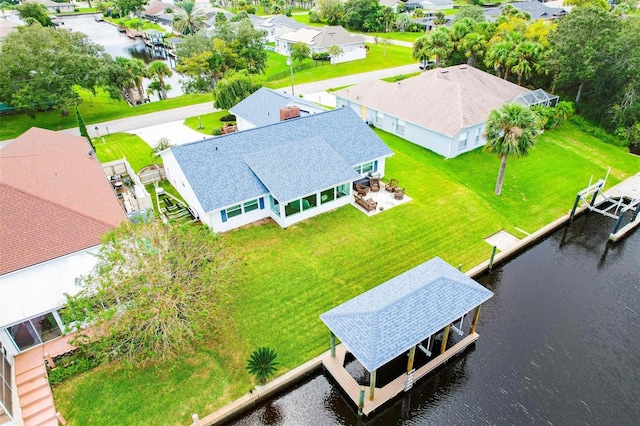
{"points": [[392, 185], [398, 194], [374, 184], [362, 190]]}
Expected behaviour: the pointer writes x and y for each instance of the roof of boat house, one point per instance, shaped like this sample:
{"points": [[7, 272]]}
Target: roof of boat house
{"points": [[391, 318], [289, 159]]}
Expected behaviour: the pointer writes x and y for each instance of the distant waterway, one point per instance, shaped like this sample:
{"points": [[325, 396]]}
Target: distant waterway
{"points": [[559, 345], [118, 44]]}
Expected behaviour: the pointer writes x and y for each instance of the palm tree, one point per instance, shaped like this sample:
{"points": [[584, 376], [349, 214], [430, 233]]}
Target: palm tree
{"points": [[498, 56], [158, 70], [510, 132], [525, 59], [262, 363], [188, 18], [474, 46], [438, 43]]}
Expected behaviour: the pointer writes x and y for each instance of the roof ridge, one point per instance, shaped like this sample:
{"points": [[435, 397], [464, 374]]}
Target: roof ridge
{"points": [[62, 206]]}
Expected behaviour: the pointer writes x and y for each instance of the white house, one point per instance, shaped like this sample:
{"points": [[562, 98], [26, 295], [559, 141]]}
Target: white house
{"points": [[443, 110], [56, 203], [289, 171], [320, 40], [54, 7], [263, 107], [436, 4], [278, 25]]}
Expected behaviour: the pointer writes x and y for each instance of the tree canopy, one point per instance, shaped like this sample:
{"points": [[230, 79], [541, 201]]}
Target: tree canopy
{"points": [[155, 291], [40, 66], [234, 87], [34, 11]]}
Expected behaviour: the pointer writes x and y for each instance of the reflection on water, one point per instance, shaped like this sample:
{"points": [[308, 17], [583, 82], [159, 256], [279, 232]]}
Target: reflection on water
{"points": [[118, 44], [559, 344]]}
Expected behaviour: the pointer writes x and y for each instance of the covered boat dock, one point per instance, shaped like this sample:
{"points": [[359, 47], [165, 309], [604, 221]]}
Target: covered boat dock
{"points": [[410, 312]]}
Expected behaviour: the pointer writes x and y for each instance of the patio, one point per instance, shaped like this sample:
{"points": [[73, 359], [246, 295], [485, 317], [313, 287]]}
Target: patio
{"points": [[384, 200]]}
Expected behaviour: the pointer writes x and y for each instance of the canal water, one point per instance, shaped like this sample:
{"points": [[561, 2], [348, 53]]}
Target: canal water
{"points": [[559, 345], [118, 44]]}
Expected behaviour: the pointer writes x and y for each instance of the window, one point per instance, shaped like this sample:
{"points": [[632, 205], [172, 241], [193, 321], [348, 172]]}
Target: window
{"points": [[292, 208], [477, 136], [462, 141], [250, 206], [35, 331], [342, 190], [400, 127], [275, 205], [379, 118], [5, 382], [364, 168], [309, 202], [328, 195], [234, 211]]}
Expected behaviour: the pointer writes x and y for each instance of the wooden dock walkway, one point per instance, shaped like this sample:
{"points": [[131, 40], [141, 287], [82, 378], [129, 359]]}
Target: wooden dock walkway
{"points": [[335, 366]]}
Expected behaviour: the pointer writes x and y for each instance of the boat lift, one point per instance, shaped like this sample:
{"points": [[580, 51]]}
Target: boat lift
{"points": [[614, 208]]}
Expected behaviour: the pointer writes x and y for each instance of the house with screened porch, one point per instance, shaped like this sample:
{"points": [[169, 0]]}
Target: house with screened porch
{"points": [[290, 171], [444, 110]]}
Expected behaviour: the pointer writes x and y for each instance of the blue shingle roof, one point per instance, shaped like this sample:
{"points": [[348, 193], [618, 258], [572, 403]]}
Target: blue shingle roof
{"points": [[262, 107], [388, 320], [299, 168], [219, 175]]}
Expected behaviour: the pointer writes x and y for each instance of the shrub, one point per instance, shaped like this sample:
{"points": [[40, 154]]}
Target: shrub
{"points": [[596, 131], [216, 132], [229, 117], [314, 18], [70, 365], [322, 56]]}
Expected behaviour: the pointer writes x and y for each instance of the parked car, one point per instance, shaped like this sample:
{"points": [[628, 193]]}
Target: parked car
{"points": [[427, 65]]}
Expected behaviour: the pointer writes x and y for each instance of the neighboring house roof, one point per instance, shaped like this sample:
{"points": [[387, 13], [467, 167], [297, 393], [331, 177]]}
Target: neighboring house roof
{"points": [[389, 3], [444, 100], [262, 107], [156, 8], [393, 317], [53, 4], [228, 169], [325, 37], [7, 26], [437, 2], [536, 9], [54, 197], [280, 20]]}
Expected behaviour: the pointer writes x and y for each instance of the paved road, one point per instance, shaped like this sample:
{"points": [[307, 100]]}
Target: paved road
{"points": [[176, 114]]}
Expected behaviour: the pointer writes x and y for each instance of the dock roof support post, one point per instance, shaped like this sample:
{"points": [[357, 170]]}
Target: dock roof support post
{"points": [[372, 385], [333, 345], [475, 320], [361, 402], [412, 355], [445, 337], [575, 206]]}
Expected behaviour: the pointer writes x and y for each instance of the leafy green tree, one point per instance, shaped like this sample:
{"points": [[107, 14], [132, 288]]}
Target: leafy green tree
{"points": [[330, 11], [334, 51], [476, 13], [581, 42], [249, 46], [300, 52], [188, 18], [158, 70], [600, 4], [39, 68], [32, 10], [155, 292], [262, 364], [403, 22], [359, 12], [510, 132], [83, 127], [234, 87], [127, 7]]}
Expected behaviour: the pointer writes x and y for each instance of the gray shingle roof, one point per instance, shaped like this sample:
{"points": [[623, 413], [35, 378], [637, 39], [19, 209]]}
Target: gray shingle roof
{"points": [[262, 107], [310, 165], [220, 176], [388, 320]]}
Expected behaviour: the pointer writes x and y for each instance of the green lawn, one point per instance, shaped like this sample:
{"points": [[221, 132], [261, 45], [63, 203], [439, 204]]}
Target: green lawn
{"points": [[94, 109], [209, 122], [378, 58], [118, 145], [288, 277]]}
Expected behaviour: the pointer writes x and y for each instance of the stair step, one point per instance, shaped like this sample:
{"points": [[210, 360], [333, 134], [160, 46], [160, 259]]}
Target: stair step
{"points": [[28, 387], [35, 396], [34, 373], [37, 413]]}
